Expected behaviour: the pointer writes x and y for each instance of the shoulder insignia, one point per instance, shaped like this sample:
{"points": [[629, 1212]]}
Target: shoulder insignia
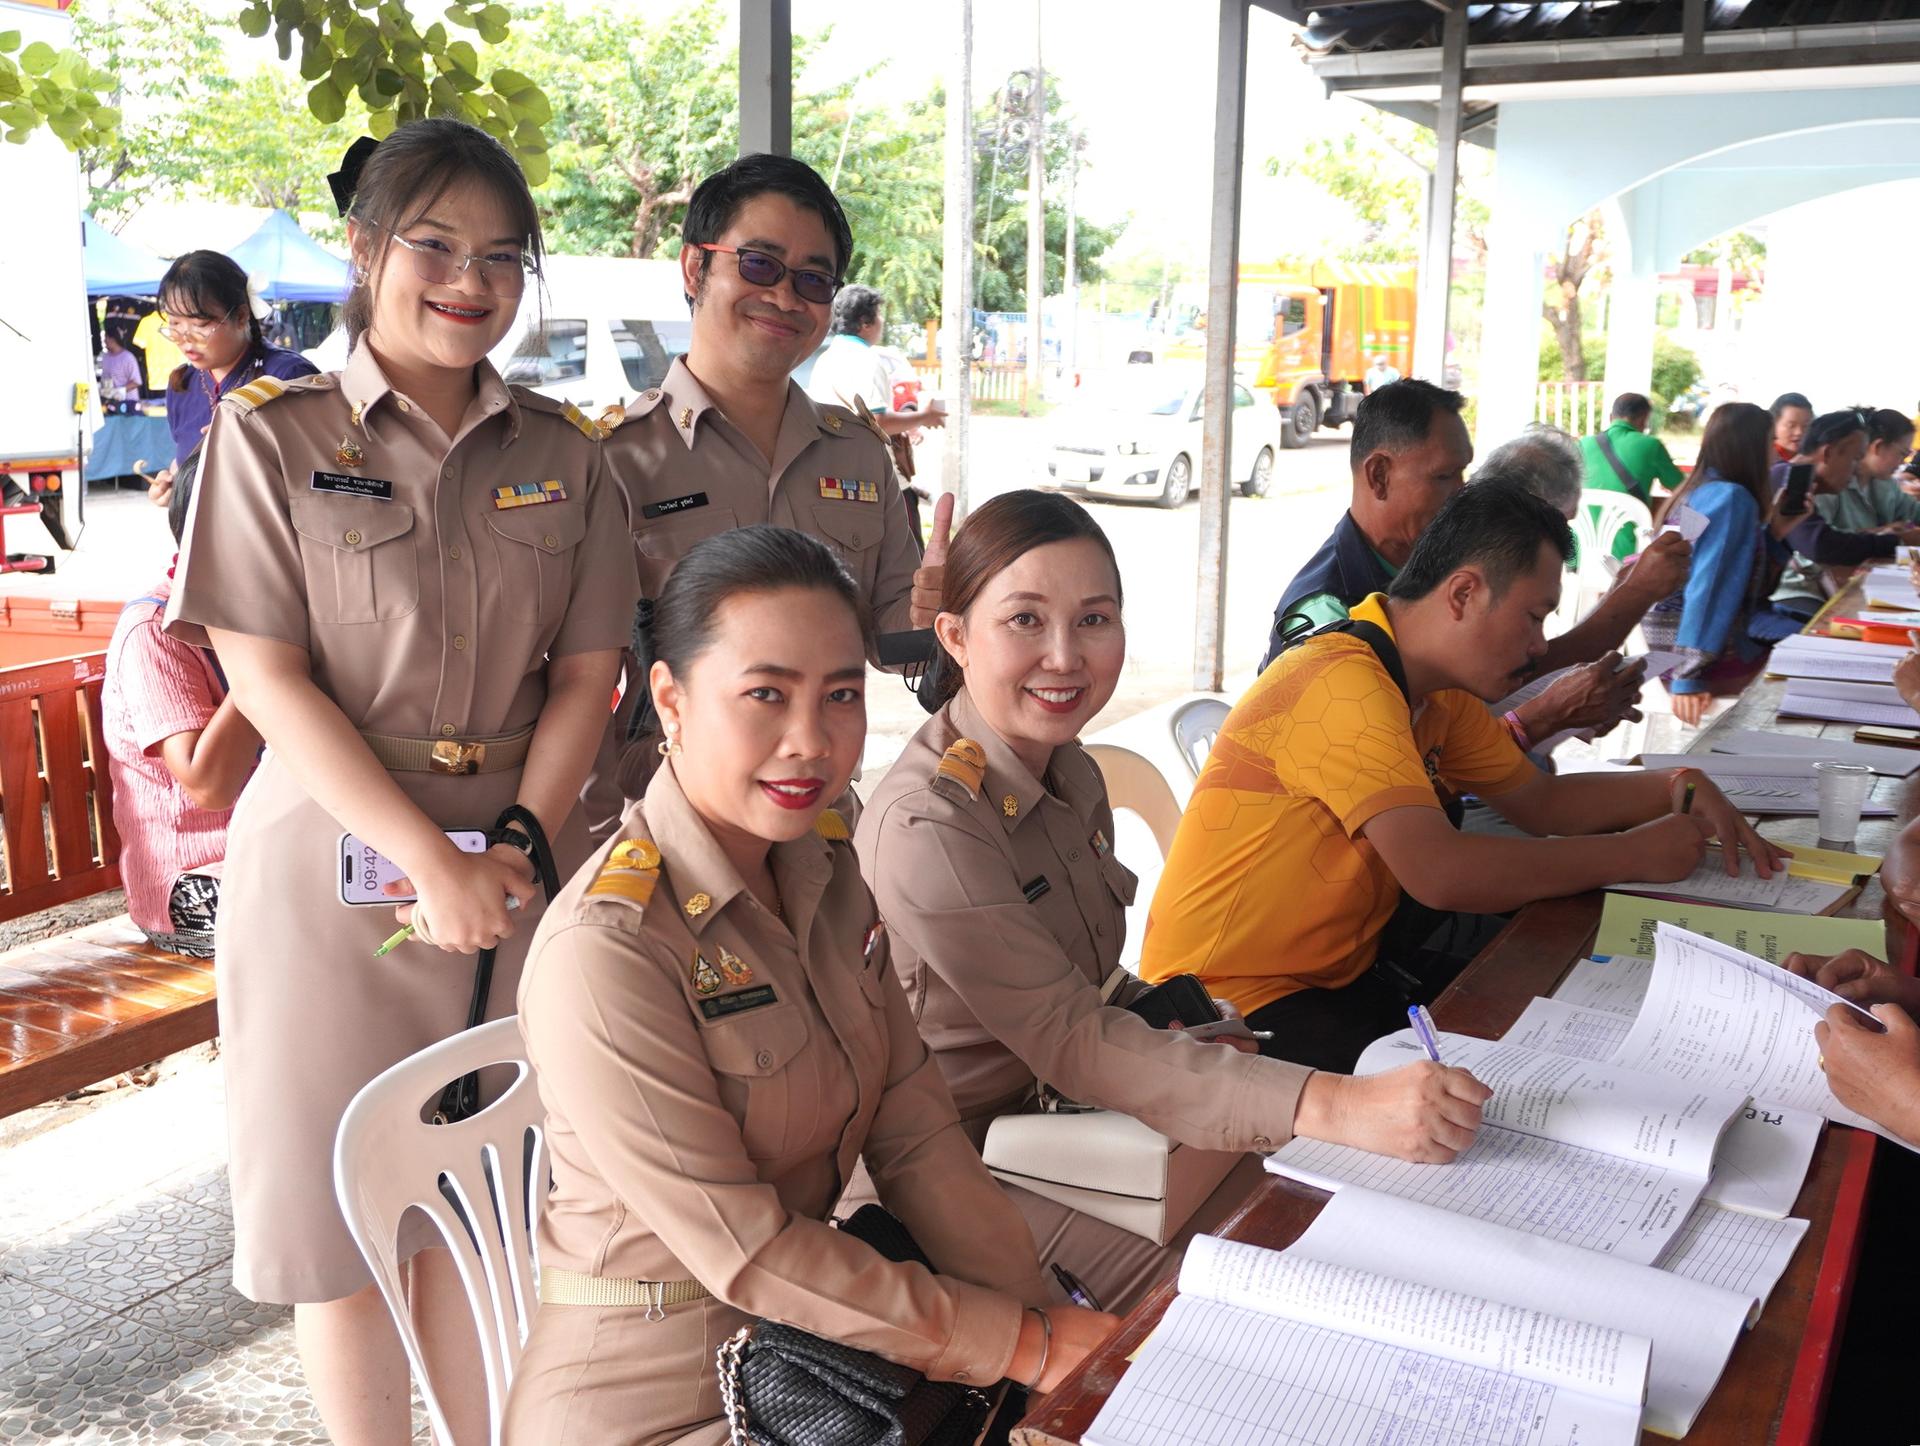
{"points": [[873, 423], [832, 826], [586, 425], [256, 394], [631, 872], [965, 763]]}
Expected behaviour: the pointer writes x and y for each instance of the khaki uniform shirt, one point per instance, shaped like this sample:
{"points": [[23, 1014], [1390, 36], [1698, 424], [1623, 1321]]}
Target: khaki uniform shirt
{"points": [[688, 473], [331, 513], [710, 1084], [1007, 911]]}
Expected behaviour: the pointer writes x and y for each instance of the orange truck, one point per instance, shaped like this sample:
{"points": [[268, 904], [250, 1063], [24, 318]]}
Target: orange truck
{"points": [[1331, 322]]}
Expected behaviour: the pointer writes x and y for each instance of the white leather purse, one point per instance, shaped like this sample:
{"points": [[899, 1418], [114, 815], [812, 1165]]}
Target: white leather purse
{"points": [[1107, 1165]]}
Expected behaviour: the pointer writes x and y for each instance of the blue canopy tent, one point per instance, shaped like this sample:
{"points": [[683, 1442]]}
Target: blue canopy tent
{"points": [[296, 267], [115, 267]]}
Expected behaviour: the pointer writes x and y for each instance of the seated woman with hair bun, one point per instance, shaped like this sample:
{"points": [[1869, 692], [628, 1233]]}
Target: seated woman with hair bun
{"points": [[988, 847], [719, 1042]]}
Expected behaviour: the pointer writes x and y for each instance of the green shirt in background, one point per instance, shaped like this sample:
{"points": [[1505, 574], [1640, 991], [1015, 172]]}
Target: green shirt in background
{"points": [[1859, 507], [1647, 461]]}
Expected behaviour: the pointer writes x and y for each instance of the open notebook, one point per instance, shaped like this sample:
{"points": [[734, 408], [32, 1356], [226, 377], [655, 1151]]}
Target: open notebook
{"points": [[1272, 1348]]}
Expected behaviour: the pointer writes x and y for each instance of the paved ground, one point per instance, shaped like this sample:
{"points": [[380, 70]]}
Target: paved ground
{"points": [[117, 1319]]}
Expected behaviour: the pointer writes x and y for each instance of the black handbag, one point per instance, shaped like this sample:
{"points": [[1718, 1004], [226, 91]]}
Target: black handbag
{"points": [[462, 1098], [783, 1386]]}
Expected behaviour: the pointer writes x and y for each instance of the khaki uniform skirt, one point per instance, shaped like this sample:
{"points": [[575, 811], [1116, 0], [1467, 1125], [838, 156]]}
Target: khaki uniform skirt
{"points": [[308, 1015]]}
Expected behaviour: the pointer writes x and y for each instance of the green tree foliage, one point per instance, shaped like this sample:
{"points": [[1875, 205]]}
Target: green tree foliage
{"points": [[60, 89]]}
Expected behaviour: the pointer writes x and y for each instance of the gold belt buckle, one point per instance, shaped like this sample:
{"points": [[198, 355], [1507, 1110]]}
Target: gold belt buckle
{"points": [[458, 757]]}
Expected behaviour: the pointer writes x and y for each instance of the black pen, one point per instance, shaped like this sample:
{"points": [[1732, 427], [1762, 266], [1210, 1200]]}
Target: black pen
{"points": [[1076, 1292]]}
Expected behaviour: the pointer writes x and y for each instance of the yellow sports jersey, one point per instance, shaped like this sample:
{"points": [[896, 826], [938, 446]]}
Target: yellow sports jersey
{"points": [[1270, 888]]}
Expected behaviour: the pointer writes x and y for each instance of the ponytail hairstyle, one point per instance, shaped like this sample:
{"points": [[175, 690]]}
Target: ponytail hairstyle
{"points": [[992, 539], [740, 561], [1885, 426], [402, 179], [207, 286], [1829, 428]]}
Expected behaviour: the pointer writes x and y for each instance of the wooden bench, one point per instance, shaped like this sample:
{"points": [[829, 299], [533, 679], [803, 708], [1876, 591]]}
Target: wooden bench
{"points": [[85, 1005]]}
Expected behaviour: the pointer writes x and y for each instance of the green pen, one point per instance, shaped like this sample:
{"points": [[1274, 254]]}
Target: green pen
{"points": [[406, 932], [1686, 803]]}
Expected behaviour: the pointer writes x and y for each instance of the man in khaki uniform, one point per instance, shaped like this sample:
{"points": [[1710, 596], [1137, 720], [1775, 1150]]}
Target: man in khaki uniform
{"points": [[1007, 911], [713, 1072], [729, 439]]}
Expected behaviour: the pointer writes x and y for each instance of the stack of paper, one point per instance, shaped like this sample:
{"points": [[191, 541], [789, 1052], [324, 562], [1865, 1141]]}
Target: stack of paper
{"points": [[1783, 786], [1878, 703], [1892, 587], [1806, 655], [1630, 924]]}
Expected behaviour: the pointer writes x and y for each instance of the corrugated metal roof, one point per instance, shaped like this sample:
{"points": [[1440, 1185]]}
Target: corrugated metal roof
{"points": [[1414, 25]]}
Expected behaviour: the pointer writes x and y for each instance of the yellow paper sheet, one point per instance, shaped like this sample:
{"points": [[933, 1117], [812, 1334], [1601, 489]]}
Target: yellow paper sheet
{"points": [[1830, 866], [1626, 927]]}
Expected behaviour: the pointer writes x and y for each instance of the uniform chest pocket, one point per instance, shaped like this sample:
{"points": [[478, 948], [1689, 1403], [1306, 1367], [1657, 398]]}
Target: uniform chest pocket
{"points": [[1122, 882], [756, 1059], [664, 542], [853, 529], [359, 555], [535, 548]]}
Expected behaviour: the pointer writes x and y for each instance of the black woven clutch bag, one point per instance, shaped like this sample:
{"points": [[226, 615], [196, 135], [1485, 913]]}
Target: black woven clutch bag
{"points": [[786, 1387]]}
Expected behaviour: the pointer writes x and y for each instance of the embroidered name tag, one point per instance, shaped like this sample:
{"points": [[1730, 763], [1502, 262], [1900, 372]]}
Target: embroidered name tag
{"points": [[849, 489], [673, 505], [350, 486], [1035, 889], [529, 494], [735, 1003]]}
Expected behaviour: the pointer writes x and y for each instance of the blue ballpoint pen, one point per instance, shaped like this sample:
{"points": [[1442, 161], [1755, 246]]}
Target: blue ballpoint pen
{"points": [[1422, 1023]]}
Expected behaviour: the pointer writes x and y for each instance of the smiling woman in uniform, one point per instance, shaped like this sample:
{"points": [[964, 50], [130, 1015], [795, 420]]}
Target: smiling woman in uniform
{"points": [[418, 585], [719, 1041], [987, 847]]}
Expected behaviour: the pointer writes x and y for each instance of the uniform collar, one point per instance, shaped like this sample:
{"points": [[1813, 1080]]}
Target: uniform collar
{"points": [[364, 384], [696, 867], [1008, 786], [687, 402]]}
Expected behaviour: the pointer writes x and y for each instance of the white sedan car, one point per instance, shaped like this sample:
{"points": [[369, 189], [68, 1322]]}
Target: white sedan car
{"points": [[1138, 435]]}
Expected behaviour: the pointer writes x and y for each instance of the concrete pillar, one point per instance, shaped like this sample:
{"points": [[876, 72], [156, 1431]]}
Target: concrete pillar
{"points": [[1223, 272], [1632, 226], [766, 77], [1436, 255], [1510, 331]]}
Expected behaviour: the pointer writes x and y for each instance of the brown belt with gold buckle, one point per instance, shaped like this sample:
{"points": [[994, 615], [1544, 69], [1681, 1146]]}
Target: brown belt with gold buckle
{"points": [[450, 755]]}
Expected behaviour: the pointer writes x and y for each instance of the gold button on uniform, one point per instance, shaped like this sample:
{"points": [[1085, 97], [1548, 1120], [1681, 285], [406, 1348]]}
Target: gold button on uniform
{"points": [[454, 553], [550, 540], [405, 405], [353, 537], [460, 642], [1261, 1142], [446, 730]]}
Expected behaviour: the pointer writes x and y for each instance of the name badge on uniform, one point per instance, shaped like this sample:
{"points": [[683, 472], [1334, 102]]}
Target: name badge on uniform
{"points": [[673, 505], [849, 489], [348, 485], [726, 1004], [528, 494], [1037, 888]]}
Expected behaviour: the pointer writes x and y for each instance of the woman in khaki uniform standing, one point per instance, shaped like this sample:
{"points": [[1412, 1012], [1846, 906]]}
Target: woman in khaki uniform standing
{"points": [[987, 846], [419, 647], [719, 1041]]}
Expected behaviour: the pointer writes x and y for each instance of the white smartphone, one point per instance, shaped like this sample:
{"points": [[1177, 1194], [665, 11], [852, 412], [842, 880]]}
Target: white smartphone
{"points": [[364, 871]]}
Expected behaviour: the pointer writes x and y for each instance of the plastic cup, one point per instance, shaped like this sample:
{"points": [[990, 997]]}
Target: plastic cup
{"points": [[1843, 793]]}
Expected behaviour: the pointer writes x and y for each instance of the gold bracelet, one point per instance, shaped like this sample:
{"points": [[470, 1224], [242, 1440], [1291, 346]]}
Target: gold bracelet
{"points": [[1046, 1346]]}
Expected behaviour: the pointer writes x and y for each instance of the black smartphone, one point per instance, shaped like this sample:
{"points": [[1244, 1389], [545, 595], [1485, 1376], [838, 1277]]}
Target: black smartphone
{"points": [[1799, 484], [1183, 998]]}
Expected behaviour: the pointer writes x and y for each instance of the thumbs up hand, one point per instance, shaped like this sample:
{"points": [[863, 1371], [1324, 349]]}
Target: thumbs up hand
{"points": [[929, 579]]}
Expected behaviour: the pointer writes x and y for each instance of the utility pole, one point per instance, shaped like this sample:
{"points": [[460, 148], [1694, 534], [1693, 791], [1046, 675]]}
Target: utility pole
{"points": [[956, 273], [1074, 143], [1036, 216]]}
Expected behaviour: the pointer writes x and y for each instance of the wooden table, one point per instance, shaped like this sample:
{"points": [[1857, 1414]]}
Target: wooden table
{"points": [[1774, 1388]]}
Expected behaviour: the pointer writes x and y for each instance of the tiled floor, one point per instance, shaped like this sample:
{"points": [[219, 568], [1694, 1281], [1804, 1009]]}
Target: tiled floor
{"points": [[117, 1319]]}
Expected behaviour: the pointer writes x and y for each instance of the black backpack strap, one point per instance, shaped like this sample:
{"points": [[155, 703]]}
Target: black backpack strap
{"points": [[1627, 479], [1372, 634]]}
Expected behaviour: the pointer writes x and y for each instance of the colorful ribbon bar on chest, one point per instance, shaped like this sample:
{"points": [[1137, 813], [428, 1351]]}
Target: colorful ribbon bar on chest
{"points": [[528, 494]]}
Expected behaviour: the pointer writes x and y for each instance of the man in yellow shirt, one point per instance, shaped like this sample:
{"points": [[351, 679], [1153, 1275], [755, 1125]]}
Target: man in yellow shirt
{"points": [[1316, 815]]}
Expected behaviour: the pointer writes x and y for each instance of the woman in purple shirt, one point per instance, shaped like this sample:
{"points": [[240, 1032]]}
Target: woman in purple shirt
{"points": [[215, 321]]}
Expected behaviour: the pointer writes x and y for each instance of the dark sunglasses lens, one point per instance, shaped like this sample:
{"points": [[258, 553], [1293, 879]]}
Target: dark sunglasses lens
{"points": [[813, 286], [759, 270]]}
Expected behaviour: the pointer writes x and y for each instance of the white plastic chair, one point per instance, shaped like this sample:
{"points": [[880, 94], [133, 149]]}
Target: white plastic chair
{"points": [[1134, 784], [1196, 723], [1595, 533], [387, 1160]]}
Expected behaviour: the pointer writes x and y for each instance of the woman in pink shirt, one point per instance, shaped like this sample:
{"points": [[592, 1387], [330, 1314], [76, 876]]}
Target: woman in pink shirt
{"points": [[179, 753]]}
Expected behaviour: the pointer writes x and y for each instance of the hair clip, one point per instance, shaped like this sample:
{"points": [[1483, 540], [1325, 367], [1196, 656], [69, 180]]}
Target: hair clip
{"points": [[345, 181]]}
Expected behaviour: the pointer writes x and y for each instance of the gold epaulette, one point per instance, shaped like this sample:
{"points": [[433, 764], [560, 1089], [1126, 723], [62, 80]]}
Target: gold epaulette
{"points": [[866, 415], [630, 873], [588, 428], [832, 826], [257, 393], [964, 763]]}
